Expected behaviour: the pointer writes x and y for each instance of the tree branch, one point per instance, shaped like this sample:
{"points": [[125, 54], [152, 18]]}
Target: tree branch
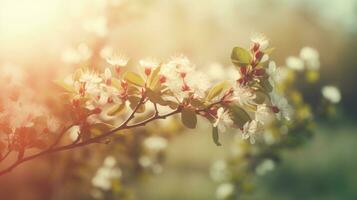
{"points": [[125, 125]]}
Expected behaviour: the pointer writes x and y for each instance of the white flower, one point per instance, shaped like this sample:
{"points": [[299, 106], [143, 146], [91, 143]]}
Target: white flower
{"points": [[106, 173], [263, 114], [223, 120], [107, 94], [275, 73], [149, 63], [250, 130], [284, 109], [117, 60], [182, 80], [243, 95], [90, 77], [331, 93], [155, 143], [91, 83], [107, 74], [266, 166], [224, 191], [261, 40], [295, 63], [109, 161], [198, 83], [311, 57], [178, 66]]}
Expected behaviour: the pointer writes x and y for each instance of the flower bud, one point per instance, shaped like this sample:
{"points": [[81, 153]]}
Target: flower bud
{"points": [[255, 46], [258, 55], [275, 109], [96, 110], [162, 79], [185, 87], [147, 71]]}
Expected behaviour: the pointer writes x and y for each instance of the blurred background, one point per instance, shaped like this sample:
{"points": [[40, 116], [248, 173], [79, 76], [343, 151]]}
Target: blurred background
{"points": [[48, 39]]}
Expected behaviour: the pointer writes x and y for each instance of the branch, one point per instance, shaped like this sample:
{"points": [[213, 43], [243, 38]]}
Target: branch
{"points": [[125, 125]]}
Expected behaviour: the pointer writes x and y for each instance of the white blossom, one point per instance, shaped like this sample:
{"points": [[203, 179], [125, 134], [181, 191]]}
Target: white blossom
{"points": [[223, 120], [331, 93], [107, 74], [117, 60], [155, 143], [250, 130], [224, 190], [284, 109], [275, 73], [182, 79], [106, 173], [261, 40], [149, 63], [311, 58], [295, 63], [243, 95], [263, 114], [265, 166], [198, 83]]}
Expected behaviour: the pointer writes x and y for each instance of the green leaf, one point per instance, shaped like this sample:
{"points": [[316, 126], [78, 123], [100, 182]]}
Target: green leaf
{"points": [[215, 136], [239, 116], [266, 85], [216, 90], [155, 97], [260, 97], [134, 78], [189, 118], [240, 56], [154, 78], [197, 103]]}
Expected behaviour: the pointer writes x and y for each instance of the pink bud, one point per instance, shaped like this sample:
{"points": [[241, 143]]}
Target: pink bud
{"points": [[147, 71], [96, 110], [183, 74], [275, 109], [117, 70], [162, 79], [255, 47], [185, 87], [258, 55]]}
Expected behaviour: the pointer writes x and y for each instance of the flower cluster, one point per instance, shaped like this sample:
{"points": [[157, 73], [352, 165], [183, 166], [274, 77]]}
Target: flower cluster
{"points": [[253, 160], [248, 102], [24, 121]]}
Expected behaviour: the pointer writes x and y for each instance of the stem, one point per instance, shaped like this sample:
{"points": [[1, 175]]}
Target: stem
{"points": [[125, 125]]}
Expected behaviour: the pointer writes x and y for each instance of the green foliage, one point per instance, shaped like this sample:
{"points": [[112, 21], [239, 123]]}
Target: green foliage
{"points": [[239, 116], [189, 118], [216, 90], [134, 78], [240, 57], [215, 136]]}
